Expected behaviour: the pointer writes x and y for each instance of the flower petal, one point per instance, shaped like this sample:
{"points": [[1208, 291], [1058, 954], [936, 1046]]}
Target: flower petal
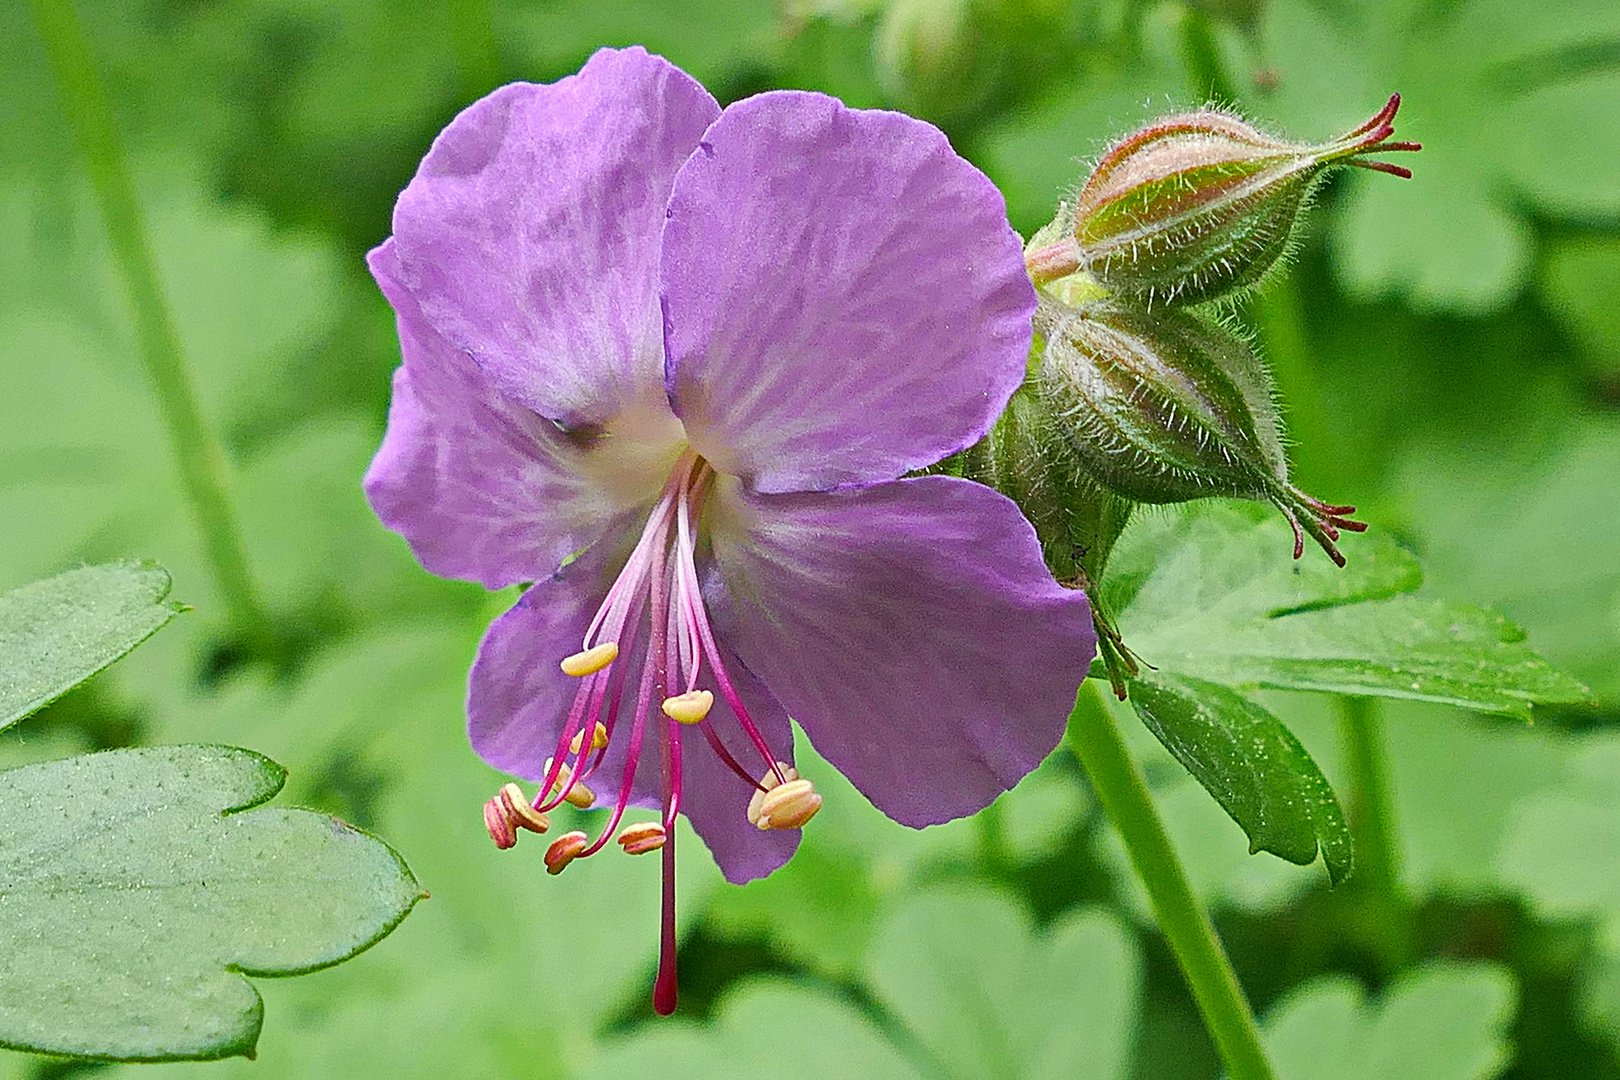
{"points": [[911, 628], [481, 487], [530, 234], [517, 696], [843, 297], [715, 799]]}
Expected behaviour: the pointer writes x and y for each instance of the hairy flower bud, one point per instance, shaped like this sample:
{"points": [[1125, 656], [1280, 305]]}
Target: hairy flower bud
{"points": [[1163, 407], [1200, 204]]}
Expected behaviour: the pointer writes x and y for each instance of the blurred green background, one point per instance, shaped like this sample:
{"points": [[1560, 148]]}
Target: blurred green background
{"points": [[1448, 348]]}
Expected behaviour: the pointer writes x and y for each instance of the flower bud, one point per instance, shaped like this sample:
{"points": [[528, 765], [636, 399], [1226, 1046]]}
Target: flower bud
{"points": [[1199, 204], [1163, 407]]}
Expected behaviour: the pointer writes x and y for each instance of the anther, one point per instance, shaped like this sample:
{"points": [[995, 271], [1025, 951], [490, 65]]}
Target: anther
{"points": [[690, 707], [591, 660], [789, 805], [520, 812], [599, 738], [500, 828], [564, 850], [766, 783], [578, 794], [642, 838]]}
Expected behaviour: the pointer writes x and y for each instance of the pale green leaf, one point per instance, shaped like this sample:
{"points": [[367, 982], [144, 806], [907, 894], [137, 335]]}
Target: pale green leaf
{"points": [[1444, 1021], [56, 633], [990, 997], [137, 887]]}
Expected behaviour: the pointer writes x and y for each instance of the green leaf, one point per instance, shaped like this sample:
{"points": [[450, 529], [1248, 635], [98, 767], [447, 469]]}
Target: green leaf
{"points": [[1444, 1021], [988, 996], [56, 633], [1212, 594], [977, 993], [1252, 764], [137, 887], [1562, 845], [766, 1027], [1501, 94], [1580, 279]]}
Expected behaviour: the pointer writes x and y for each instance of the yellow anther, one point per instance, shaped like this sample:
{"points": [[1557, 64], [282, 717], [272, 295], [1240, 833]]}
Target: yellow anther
{"points": [[578, 794], [520, 812], [598, 738], [768, 781], [690, 707], [591, 660], [642, 838], [789, 805], [564, 850]]}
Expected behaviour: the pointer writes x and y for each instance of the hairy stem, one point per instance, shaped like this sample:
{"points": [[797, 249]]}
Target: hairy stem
{"points": [[1097, 741], [197, 452]]}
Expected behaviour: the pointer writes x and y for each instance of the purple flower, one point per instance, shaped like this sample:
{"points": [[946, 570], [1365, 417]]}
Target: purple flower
{"points": [[670, 363]]}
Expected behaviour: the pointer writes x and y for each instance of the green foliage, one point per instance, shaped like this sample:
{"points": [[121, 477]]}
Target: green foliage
{"points": [[966, 990], [140, 885], [55, 634], [1478, 77], [1222, 603], [1251, 763], [268, 159], [1441, 1022]]}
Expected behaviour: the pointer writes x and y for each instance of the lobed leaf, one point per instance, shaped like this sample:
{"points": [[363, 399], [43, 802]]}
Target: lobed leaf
{"points": [[138, 887], [1214, 596], [1444, 1021], [56, 633]]}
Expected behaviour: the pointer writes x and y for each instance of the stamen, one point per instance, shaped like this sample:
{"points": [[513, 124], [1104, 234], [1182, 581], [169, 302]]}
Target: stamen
{"points": [[591, 660], [690, 707], [500, 829], [564, 850], [578, 794], [520, 811], [599, 739], [788, 806], [783, 773], [642, 838]]}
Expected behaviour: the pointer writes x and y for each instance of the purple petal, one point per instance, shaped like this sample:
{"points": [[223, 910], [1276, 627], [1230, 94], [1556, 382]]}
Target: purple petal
{"points": [[481, 487], [530, 234], [715, 799], [843, 297], [912, 629], [517, 697]]}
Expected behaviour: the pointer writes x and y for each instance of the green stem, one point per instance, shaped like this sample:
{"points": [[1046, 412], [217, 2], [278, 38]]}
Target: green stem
{"points": [[198, 454], [1372, 810], [1120, 787]]}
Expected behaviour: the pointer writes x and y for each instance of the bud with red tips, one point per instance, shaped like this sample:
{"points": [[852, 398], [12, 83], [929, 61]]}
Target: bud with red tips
{"points": [[1164, 407], [1200, 204]]}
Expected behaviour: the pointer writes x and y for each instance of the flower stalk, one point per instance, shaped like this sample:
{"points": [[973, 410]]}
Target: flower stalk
{"points": [[197, 451], [1121, 789]]}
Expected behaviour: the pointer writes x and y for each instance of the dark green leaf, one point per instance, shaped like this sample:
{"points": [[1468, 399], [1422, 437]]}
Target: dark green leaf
{"points": [[56, 633], [135, 893], [1251, 763], [1223, 602]]}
